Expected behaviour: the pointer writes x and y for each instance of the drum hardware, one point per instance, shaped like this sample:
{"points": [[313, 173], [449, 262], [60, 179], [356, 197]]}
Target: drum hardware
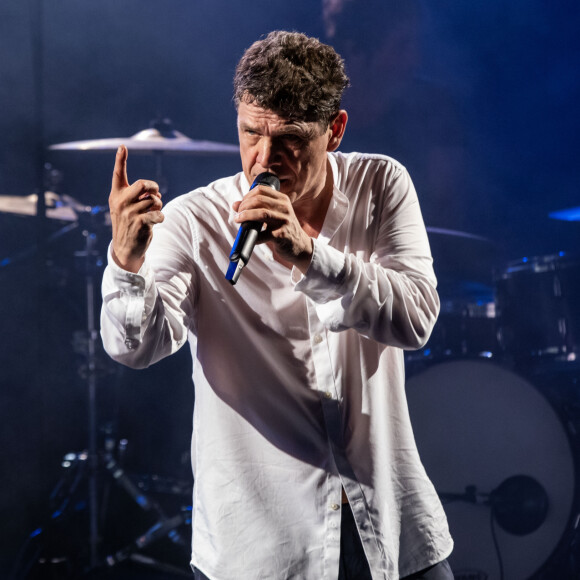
{"points": [[55, 206], [78, 491], [91, 456], [89, 460], [60, 208], [480, 426], [165, 526], [463, 264], [67, 501], [159, 139], [154, 564], [32, 250], [463, 329], [164, 485], [91, 467], [519, 504], [456, 234], [537, 308]]}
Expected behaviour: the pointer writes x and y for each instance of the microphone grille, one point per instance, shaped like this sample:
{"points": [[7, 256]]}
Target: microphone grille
{"points": [[266, 178]]}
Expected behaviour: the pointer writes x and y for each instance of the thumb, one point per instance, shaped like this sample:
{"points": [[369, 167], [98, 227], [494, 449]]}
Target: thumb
{"points": [[120, 180]]}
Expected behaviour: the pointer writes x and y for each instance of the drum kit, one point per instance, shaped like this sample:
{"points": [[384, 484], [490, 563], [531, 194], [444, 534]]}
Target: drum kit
{"points": [[492, 396], [494, 399]]}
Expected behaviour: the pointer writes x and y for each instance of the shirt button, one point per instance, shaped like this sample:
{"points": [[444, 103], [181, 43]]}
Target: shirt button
{"points": [[328, 395], [334, 506], [317, 339]]}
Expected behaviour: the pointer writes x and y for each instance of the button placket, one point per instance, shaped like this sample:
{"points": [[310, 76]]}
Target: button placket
{"points": [[334, 516]]}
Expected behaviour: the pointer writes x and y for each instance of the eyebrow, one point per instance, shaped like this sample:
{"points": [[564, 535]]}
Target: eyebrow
{"points": [[305, 131]]}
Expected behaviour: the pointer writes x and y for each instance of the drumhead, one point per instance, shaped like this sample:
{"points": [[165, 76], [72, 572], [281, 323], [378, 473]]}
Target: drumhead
{"points": [[477, 424]]}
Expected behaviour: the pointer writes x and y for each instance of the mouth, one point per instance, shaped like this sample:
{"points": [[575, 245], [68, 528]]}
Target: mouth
{"points": [[283, 180]]}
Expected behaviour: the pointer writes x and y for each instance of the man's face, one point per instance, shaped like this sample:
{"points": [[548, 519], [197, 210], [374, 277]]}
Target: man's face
{"points": [[293, 150]]}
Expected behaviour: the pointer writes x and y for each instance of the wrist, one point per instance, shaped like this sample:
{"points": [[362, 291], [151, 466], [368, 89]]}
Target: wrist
{"points": [[128, 263], [304, 259]]}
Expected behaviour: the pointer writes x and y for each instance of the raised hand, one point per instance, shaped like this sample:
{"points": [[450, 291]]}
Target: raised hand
{"points": [[134, 210]]}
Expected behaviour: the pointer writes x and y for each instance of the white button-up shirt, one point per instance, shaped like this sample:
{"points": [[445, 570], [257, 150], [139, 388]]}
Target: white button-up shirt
{"points": [[299, 379]]}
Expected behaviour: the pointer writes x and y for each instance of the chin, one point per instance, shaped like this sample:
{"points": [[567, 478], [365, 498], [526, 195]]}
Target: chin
{"points": [[287, 187]]}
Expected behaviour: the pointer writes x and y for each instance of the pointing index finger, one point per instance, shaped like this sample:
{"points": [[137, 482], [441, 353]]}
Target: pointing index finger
{"points": [[120, 180]]}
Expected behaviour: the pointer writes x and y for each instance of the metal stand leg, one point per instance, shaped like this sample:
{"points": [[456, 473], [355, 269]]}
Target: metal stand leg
{"points": [[94, 540], [94, 467]]}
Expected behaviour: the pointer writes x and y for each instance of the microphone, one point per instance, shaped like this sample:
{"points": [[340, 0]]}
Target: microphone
{"points": [[248, 233]]}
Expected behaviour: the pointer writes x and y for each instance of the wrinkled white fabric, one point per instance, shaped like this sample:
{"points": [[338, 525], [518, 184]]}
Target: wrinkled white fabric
{"points": [[299, 379]]}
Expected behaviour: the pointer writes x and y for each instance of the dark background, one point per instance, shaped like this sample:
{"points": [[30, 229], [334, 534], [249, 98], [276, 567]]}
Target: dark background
{"points": [[478, 99]]}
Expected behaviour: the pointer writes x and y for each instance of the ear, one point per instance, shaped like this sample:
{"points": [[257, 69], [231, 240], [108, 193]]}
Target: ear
{"points": [[337, 127]]}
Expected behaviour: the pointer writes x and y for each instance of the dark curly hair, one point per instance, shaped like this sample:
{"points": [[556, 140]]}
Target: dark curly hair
{"points": [[293, 75]]}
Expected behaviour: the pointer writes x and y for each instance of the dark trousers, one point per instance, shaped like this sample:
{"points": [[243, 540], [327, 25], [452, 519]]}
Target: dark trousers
{"points": [[353, 562]]}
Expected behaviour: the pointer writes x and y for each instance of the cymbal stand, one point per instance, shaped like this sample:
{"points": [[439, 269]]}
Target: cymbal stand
{"points": [[165, 526], [87, 463], [93, 464], [91, 378], [34, 248]]}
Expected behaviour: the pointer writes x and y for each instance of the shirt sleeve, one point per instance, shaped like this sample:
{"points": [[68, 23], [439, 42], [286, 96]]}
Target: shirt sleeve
{"points": [[388, 294], [144, 315]]}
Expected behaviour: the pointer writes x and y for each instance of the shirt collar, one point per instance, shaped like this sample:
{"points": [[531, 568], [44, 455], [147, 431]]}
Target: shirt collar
{"points": [[338, 205]]}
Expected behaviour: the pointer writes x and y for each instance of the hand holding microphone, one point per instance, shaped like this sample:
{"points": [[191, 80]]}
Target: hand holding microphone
{"points": [[248, 233]]}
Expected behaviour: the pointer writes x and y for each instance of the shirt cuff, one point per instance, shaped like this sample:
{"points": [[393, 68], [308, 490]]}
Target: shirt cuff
{"points": [[325, 275], [133, 284]]}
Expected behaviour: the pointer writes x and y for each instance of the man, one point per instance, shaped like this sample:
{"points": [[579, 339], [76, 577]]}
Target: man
{"points": [[298, 368]]}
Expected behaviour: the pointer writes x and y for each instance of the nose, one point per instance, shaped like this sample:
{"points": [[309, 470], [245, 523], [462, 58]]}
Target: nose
{"points": [[267, 154]]}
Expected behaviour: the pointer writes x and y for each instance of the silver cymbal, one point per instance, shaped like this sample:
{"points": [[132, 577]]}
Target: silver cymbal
{"points": [[456, 234], [464, 264], [150, 141], [58, 207]]}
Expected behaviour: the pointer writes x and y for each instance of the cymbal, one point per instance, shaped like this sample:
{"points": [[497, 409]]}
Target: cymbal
{"points": [[463, 264], [456, 233], [58, 207], [151, 141], [571, 214]]}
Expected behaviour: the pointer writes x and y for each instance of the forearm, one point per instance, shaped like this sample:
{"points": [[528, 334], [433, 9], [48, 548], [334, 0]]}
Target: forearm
{"points": [[393, 301], [137, 328]]}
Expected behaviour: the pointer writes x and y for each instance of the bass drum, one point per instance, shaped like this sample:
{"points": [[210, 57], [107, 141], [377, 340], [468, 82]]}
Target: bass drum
{"points": [[478, 426]]}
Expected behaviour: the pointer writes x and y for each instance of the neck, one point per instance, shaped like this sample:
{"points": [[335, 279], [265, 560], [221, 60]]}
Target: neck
{"points": [[311, 212]]}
